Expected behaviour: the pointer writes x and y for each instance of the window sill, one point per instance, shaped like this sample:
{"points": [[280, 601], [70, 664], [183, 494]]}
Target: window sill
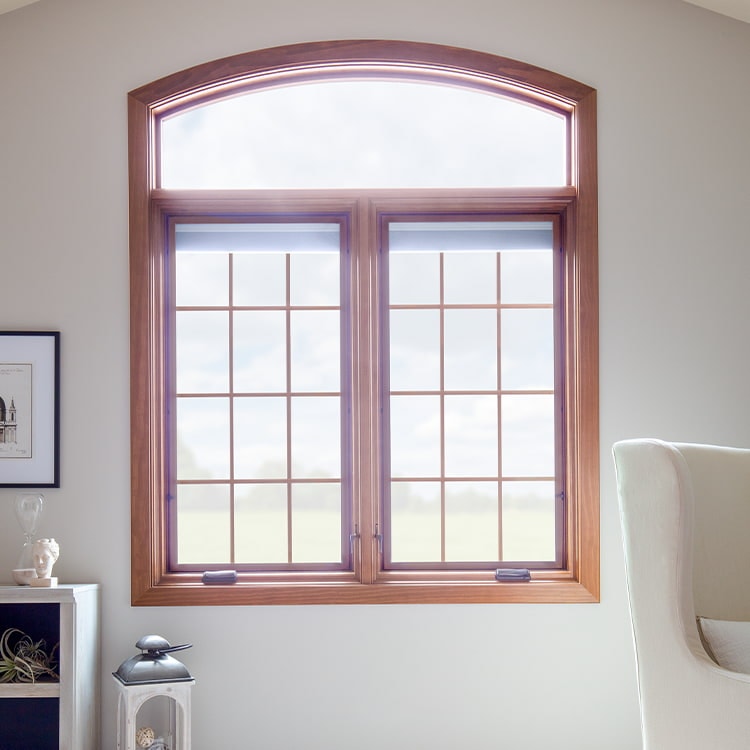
{"points": [[189, 591]]}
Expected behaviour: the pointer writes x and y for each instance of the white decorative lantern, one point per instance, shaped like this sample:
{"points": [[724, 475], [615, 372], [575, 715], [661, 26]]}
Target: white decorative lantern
{"points": [[153, 702]]}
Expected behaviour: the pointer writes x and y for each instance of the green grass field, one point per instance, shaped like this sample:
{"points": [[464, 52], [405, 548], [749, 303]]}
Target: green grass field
{"points": [[261, 536]]}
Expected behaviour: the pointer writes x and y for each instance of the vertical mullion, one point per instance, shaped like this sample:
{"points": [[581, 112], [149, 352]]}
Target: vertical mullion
{"points": [[349, 296], [371, 397], [232, 528], [498, 281], [172, 485], [288, 397], [559, 316], [345, 398], [442, 406]]}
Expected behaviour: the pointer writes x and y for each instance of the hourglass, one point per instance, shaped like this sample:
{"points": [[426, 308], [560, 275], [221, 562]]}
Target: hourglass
{"points": [[28, 512]]}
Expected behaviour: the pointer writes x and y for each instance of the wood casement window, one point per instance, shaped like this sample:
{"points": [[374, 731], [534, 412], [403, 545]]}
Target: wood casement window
{"points": [[364, 330]]}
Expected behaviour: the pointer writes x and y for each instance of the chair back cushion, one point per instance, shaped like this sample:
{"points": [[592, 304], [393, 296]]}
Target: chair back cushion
{"points": [[720, 480]]}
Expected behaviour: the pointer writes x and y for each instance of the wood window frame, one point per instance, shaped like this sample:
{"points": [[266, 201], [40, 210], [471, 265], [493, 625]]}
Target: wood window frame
{"points": [[152, 583]]}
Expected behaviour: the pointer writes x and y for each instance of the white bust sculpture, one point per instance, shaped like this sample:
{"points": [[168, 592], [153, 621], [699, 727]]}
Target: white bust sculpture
{"points": [[45, 552]]}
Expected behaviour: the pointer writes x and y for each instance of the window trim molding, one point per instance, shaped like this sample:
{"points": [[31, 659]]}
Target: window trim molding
{"points": [[151, 584]]}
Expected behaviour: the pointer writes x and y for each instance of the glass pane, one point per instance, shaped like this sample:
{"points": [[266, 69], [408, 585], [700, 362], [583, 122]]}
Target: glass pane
{"points": [[259, 279], [528, 354], [471, 436], [526, 276], [315, 350], [260, 438], [471, 350], [259, 261], [528, 425], [202, 438], [316, 523], [470, 257], [315, 278], [316, 437], [429, 237], [528, 521], [415, 436], [415, 522], [203, 524], [312, 135], [202, 357], [471, 521], [260, 528], [260, 238], [259, 351], [202, 278], [470, 278], [414, 350], [413, 278]]}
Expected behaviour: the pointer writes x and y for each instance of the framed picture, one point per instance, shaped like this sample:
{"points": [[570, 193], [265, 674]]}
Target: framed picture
{"points": [[29, 409]]}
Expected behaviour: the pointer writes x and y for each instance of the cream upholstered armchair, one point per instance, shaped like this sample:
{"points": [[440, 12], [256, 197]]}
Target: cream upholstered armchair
{"points": [[685, 512]]}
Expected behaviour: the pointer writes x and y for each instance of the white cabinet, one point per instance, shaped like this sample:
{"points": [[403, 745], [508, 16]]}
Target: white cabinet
{"points": [[62, 715]]}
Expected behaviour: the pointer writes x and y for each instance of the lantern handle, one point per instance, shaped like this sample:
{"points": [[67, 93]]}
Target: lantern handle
{"points": [[156, 644], [181, 647]]}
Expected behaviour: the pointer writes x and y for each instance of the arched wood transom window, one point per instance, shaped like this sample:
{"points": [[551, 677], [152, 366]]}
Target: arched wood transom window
{"points": [[364, 329]]}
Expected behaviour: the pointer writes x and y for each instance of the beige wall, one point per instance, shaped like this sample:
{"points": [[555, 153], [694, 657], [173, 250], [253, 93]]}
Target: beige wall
{"points": [[674, 162]]}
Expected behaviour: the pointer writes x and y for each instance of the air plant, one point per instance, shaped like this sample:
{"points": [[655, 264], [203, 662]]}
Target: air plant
{"points": [[24, 660]]}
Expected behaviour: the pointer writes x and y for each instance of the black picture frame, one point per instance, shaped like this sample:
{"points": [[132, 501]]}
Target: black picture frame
{"points": [[29, 409]]}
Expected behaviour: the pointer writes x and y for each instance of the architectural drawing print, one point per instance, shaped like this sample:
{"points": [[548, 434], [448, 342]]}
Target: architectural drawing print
{"points": [[15, 411]]}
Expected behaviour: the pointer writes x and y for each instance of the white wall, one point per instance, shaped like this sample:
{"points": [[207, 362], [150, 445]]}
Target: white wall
{"points": [[674, 161]]}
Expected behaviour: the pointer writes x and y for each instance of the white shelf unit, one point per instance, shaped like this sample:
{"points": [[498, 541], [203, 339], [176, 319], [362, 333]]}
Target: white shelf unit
{"points": [[62, 715]]}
